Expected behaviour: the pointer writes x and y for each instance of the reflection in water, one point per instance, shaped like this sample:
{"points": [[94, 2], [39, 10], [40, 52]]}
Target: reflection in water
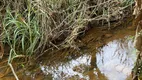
{"points": [[116, 59], [113, 62], [95, 73], [74, 68]]}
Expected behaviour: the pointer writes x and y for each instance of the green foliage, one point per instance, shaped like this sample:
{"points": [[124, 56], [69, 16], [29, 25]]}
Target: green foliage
{"points": [[20, 33], [127, 3]]}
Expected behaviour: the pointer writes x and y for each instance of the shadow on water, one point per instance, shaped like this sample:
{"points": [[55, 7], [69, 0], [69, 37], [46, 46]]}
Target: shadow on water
{"points": [[113, 61]]}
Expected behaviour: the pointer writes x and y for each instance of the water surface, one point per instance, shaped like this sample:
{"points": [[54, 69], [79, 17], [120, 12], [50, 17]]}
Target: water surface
{"points": [[113, 61]]}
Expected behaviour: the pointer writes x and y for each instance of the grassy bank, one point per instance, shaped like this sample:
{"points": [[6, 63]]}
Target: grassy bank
{"points": [[35, 27]]}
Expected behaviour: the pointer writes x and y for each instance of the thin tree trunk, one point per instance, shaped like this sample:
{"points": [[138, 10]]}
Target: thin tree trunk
{"points": [[137, 13]]}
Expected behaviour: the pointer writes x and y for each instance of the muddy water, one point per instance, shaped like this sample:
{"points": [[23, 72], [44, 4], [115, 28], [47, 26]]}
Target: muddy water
{"points": [[109, 55], [113, 61]]}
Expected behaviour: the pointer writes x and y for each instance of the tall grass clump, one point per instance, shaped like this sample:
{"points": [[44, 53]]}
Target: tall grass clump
{"points": [[21, 32], [61, 21], [106, 11]]}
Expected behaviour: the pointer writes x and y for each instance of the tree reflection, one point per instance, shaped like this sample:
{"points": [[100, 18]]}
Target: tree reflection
{"points": [[94, 72]]}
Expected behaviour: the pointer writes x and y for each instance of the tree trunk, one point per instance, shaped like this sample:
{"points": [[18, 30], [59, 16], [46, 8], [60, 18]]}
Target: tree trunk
{"points": [[137, 12]]}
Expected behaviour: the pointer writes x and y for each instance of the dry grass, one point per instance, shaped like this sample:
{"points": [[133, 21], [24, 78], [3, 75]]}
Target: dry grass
{"points": [[37, 26]]}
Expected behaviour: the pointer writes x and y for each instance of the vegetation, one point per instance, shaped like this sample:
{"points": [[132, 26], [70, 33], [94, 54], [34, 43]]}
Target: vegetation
{"points": [[34, 27]]}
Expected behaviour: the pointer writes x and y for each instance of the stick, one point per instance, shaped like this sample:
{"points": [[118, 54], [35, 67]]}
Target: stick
{"points": [[13, 71]]}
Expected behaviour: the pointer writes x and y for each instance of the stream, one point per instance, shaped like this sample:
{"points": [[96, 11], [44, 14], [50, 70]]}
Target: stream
{"points": [[113, 59]]}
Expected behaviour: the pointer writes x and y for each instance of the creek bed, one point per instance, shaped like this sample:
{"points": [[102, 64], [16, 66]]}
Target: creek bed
{"points": [[114, 61], [111, 56]]}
